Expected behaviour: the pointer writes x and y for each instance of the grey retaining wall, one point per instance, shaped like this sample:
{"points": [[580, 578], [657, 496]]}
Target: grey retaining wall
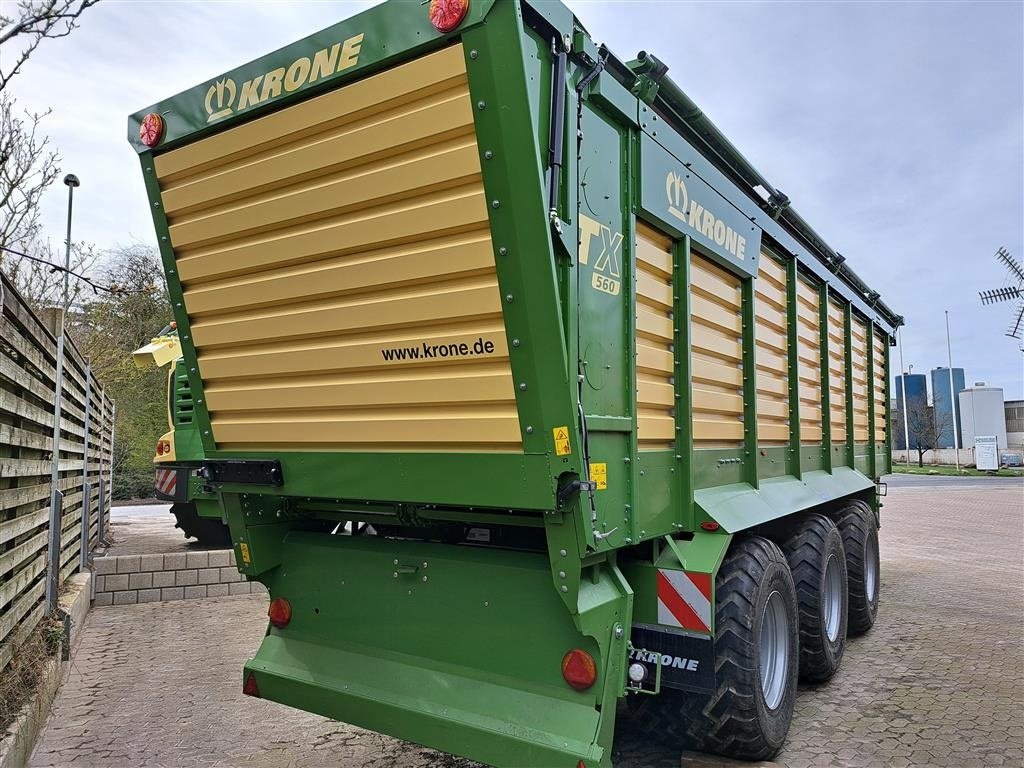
{"points": [[128, 579]]}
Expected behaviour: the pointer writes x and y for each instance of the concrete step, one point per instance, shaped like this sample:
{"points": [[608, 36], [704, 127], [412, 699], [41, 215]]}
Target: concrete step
{"points": [[128, 579]]}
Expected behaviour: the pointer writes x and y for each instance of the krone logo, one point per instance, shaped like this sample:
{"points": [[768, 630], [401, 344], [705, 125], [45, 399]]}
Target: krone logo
{"points": [[220, 99], [678, 197], [700, 219]]}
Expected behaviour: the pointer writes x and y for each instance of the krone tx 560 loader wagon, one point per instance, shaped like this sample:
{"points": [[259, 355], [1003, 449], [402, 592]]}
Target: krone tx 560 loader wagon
{"points": [[535, 407]]}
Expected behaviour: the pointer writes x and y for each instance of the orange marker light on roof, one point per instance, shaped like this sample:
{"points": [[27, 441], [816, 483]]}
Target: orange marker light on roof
{"points": [[151, 130], [446, 15]]}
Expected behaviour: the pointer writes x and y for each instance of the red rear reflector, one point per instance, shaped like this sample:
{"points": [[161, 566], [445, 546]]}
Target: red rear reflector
{"points": [[710, 525], [151, 130], [579, 669], [280, 612], [250, 688], [446, 15]]}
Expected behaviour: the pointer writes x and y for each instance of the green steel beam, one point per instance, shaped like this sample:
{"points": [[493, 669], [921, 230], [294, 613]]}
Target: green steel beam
{"points": [[826, 389], [793, 370], [683, 381], [872, 459], [848, 352], [749, 347]]}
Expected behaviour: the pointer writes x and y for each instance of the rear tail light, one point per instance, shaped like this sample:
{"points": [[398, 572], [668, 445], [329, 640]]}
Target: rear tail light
{"points": [[446, 15], [162, 447], [152, 129], [579, 669], [280, 612], [250, 688]]}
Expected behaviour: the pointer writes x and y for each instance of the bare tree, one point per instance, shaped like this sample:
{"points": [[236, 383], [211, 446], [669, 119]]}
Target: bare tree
{"points": [[927, 425], [28, 164], [28, 23], [27, 167]]}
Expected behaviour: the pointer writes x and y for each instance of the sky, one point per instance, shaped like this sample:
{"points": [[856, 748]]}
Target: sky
{"points": [[896, 129]]}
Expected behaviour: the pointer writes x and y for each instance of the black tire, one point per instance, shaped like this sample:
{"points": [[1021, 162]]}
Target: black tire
{"points": [[815, 553], [857, 526], [208, 531], [736, 720]]}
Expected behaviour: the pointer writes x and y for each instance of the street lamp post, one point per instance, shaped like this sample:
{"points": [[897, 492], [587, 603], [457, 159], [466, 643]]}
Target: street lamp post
{"points": [[952, 398], [903, 384], [56, 496]]}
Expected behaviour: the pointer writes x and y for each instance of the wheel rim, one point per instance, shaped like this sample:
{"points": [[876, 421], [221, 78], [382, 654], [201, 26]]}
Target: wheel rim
{"points": [[871, 568], [774, 650], [831, 598]]}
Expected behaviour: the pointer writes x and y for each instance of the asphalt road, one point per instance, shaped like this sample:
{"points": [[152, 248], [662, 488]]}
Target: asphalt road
{"points": [[901, 480]]}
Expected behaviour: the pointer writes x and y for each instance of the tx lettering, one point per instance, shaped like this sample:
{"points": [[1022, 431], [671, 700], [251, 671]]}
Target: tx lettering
{"points": [[608, 263]]}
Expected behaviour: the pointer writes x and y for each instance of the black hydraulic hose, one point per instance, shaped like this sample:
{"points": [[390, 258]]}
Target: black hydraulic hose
{"points": [[602, 59]]}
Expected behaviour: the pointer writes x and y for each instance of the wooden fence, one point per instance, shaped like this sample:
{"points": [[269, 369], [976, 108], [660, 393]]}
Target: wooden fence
{"points": [[27, 365]]}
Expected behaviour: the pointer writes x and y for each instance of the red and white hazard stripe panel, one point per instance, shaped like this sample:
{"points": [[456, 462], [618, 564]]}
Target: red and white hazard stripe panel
{"points": [[167, 481], [684, 599]]}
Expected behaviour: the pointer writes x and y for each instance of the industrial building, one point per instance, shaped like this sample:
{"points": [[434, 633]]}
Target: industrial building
{"points": [[947, 408], [1014, 414], [983, 412]]}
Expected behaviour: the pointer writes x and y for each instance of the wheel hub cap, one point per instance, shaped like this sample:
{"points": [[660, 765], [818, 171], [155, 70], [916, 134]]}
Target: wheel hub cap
{"points": [[774, 650], [831, 598], [871, 569]]}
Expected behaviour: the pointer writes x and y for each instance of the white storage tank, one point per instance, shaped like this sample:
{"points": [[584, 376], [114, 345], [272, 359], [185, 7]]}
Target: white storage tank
{"points": [[982, 413]]}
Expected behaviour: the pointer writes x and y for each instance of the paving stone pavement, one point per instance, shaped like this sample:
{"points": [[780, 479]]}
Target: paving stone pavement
{"points": [[938, 682], [147, 529]]}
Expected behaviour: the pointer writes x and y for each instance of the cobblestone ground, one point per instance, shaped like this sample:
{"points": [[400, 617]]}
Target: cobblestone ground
{"points": [[147, 529], [938, 682]]}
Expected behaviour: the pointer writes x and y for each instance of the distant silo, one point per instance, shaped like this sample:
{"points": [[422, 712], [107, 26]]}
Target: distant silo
{"points": [[982, 413]]}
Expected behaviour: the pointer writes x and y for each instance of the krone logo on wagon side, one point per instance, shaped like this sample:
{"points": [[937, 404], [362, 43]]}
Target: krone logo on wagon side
{"points": [[220, 98], [700, 219], [221, 95]]}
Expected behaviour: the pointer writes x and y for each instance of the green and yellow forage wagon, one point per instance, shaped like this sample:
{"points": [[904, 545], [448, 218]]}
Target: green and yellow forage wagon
{"points": [[520, 389]]}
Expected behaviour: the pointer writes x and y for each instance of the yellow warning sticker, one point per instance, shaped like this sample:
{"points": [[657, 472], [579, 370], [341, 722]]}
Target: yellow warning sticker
{"points": [[599, 474], [562, 447], [244, 548]]}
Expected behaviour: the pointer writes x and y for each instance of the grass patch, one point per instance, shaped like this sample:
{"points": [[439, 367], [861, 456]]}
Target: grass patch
{"points": [[20, 679], [948, 469]]}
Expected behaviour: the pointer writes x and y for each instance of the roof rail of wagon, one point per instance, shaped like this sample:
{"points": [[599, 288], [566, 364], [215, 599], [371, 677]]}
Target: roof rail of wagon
{"points": [[646, 76]]}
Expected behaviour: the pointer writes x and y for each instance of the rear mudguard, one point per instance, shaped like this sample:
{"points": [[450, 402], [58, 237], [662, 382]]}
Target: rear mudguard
{"points": [[455, 647]]}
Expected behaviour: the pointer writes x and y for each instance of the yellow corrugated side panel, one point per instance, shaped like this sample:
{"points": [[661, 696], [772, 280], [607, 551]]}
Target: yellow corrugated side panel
{"points": [[808, 350], [771, 352], [837, 371], [655, 390], [859, 336], [339, 274], [717, 355], [880, 389]]}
